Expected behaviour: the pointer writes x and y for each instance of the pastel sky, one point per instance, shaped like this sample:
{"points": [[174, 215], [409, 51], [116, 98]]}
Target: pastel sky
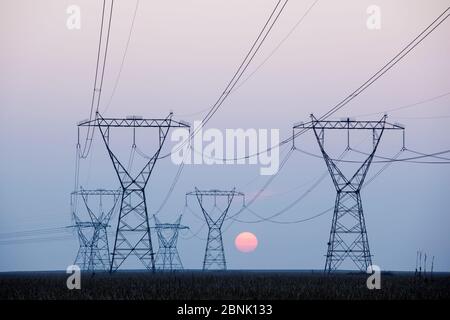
{"points": [[181, 55]]}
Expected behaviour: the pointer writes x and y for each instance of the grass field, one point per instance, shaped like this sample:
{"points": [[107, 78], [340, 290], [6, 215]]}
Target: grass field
{"points": [[187, 285]]}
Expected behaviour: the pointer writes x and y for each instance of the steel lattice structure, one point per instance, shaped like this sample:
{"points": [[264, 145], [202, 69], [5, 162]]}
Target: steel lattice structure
{"points": [[348, 235], [93, 253], [167, 257], [214, 252], [133, 229]]}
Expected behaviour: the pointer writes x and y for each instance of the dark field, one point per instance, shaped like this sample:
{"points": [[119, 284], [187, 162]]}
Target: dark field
{"points": [[193, 285]]}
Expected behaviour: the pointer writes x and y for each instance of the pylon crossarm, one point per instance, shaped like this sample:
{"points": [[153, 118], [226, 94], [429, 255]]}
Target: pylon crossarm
{"points": [[143, 176], [213, 192], [96, 192], [133, 122], [349, 124]]}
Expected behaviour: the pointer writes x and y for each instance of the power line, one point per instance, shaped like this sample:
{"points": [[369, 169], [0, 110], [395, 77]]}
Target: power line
{"points": [[269, 219], [262, 36], [406, 106], [295, 202], [96, 94], [263, 62], [397, 58], [387, 159], [28, 233], [232, 83], [278, 45], [35, 240], [389, 65], [424, 154], [408, 159], [426, 117], [116, 83]]}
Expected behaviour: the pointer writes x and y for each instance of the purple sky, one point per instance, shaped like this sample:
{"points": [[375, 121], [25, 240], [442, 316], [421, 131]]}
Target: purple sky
{"points": [[180, 57]]}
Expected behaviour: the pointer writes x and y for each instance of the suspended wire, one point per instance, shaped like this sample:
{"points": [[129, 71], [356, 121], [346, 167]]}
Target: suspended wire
{"points": [[262, 36], [74, 202], [28, 233], [424, 154], [290, 206], [116, 83], [89, 169], [397, 58], [232, 83], [426, 117], [350, 97], [263, 62], [387, 159], [340, 105], [175, 181], [142, 153], [172, 187], [385, 166], [194, 213], [244, 65], [389, 65], [292, 222], [194, 234], [407, 106], [376, 175], [259, 176], [296, 201], [264, 187], [408, 159], [97, 91], [35, 240], [278, 46], [131, 158]]}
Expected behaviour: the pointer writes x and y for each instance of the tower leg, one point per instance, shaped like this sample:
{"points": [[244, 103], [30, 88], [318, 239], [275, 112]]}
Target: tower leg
{"points": [[348, 235], [214, 253], [133, 231], [100, 252]]}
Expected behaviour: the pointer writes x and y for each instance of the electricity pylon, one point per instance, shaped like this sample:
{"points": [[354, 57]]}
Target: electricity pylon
{"points": [[133, 229], [214, 252], [93, 253], [167, 257], [348, 235]]}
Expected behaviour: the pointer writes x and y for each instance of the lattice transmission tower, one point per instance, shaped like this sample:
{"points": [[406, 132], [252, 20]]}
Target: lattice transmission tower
{"points": [[348, 236], [93, 253], [214, 252], [133, 229], [167, 257]]}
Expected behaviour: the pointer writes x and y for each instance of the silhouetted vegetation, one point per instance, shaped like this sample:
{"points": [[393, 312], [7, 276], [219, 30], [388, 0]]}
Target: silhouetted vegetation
{"points": [[221, 285]]}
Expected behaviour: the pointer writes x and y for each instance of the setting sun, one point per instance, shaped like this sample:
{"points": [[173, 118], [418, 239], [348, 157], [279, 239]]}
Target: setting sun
{"points": [[246, 242]]}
